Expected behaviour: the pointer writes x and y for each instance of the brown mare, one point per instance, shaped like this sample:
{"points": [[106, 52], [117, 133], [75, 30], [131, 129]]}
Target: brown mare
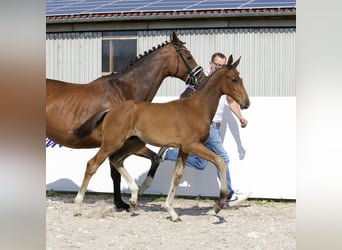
{"points": [[69, 105], [183, 123]]}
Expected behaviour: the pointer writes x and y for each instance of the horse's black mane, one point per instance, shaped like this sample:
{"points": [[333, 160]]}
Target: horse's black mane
{"points": [[141, 56]]}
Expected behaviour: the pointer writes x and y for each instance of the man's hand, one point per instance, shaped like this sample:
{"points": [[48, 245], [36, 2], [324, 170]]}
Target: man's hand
{"points": [[243, 122]]}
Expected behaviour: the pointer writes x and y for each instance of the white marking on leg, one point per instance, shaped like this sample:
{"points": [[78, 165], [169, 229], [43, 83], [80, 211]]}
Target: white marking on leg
{"points": [[77, 203], [146, 184], [131, 184], [169, 202]]}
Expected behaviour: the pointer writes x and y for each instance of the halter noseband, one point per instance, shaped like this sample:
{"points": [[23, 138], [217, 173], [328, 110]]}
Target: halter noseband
{"points": [[192, 73]]}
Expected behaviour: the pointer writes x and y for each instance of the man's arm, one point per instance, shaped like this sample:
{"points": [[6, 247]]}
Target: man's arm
{"points": [[235, 108]]}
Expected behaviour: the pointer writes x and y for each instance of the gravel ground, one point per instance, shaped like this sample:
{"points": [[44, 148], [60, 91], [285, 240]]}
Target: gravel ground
{"points": [[255, 224]]}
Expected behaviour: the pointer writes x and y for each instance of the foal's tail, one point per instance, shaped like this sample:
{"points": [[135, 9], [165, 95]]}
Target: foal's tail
{"points": [[86, 128]]}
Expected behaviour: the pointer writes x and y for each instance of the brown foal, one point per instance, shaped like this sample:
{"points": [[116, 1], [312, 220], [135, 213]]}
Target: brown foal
{"points": [[183, 123]]}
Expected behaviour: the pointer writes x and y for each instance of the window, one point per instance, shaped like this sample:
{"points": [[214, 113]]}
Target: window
{"points": [[119, 48]]}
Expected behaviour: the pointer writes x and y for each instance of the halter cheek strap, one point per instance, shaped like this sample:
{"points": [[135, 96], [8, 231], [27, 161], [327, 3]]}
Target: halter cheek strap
{"points": [[192, 79]]}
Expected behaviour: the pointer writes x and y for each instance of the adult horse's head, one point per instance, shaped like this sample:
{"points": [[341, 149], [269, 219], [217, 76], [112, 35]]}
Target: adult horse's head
{"points": [[235, 86], [185, 66]]}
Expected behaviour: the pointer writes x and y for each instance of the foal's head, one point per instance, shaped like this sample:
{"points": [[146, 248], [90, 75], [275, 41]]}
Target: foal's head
{"points": [[185, 66], [234, 85]]}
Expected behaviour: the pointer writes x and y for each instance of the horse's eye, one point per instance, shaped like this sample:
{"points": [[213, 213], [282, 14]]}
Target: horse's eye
{"points": [[189, 57], [234, 81]]}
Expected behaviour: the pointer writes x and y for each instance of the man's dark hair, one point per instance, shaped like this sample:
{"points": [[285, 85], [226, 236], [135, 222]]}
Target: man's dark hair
{"points": [[222, 56]]}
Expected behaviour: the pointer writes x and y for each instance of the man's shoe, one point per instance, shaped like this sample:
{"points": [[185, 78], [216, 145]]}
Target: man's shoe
{"points": [[162, 153], [237, 197]]}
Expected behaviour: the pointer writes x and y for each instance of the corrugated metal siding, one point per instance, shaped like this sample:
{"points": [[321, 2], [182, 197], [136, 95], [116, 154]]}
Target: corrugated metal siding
{"points": [[73, 57], [267, 56]]}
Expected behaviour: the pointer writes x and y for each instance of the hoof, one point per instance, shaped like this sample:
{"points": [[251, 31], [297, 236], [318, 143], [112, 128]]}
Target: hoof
{"points": [[77, 213], [77, 210], [120, 205], [133, 205], [217, 208], [121, 209], [177, 220]]}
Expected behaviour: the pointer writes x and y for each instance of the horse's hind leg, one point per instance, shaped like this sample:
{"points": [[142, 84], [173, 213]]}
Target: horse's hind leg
{"points": [[116, 177], [176, 177], [92, 166]]}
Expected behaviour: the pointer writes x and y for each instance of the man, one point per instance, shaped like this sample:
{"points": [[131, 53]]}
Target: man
{"points": [[214, 141]]}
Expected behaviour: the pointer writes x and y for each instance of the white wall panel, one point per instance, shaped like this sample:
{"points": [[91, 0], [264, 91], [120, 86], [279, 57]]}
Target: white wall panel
{"points": [[268, 169]]}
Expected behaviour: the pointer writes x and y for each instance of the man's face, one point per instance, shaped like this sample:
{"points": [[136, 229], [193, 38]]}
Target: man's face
{"points": [[217, 63]]}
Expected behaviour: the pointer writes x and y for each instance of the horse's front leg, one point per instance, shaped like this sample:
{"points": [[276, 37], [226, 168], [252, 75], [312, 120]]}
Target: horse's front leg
{"points": [[92, 166], [177, 175]]}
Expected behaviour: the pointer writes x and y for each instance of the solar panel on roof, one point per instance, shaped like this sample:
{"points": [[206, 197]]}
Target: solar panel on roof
{"points": [[69, 7]]}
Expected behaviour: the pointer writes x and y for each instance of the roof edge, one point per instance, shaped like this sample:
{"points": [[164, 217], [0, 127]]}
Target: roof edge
{"points": [[98, 17]]}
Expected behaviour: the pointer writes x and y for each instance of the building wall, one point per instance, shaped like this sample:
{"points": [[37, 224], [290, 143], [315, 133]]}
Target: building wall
{"points": [[73, 57], [267, 56], [268, 70]]}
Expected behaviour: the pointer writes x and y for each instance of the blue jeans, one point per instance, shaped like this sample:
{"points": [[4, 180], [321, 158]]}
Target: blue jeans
{"points": [[214, 143]]}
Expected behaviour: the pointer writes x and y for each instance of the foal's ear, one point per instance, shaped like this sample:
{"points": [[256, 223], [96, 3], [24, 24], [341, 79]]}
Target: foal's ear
{"points": [[236, 63], [230, 61]]}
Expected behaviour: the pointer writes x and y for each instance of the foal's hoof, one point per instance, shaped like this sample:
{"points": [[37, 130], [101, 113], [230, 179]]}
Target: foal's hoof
{"points": [[217, 208], [133, 205], [176, 220], [77, 212]]}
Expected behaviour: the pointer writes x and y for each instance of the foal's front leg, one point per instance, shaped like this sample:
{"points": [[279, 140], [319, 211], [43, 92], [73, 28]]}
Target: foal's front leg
{"points": [[177, 175]]}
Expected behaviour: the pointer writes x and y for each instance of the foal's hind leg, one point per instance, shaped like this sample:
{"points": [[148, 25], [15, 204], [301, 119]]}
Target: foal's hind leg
{"points": [[130, 181], [200, 150], [132, 145], [155, 161], [92, 165], [177, 175]]}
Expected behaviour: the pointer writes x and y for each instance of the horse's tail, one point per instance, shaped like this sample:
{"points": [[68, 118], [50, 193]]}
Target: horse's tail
{"points": [[86, 128]]}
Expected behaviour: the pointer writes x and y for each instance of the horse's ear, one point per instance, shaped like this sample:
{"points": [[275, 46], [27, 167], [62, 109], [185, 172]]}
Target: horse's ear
{"points": [[230, 61], [237, 62], [174, 39]]}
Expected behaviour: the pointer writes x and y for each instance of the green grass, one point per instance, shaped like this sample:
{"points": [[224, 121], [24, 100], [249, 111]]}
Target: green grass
{"points": [[51, 193]]}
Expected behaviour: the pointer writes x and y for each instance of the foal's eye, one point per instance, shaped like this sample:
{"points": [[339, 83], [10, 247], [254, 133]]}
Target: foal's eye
{"points": [[234, 81]]}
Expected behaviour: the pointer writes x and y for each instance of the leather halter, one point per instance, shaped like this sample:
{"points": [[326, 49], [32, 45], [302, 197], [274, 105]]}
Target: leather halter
{"points": [[192, 77]]}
